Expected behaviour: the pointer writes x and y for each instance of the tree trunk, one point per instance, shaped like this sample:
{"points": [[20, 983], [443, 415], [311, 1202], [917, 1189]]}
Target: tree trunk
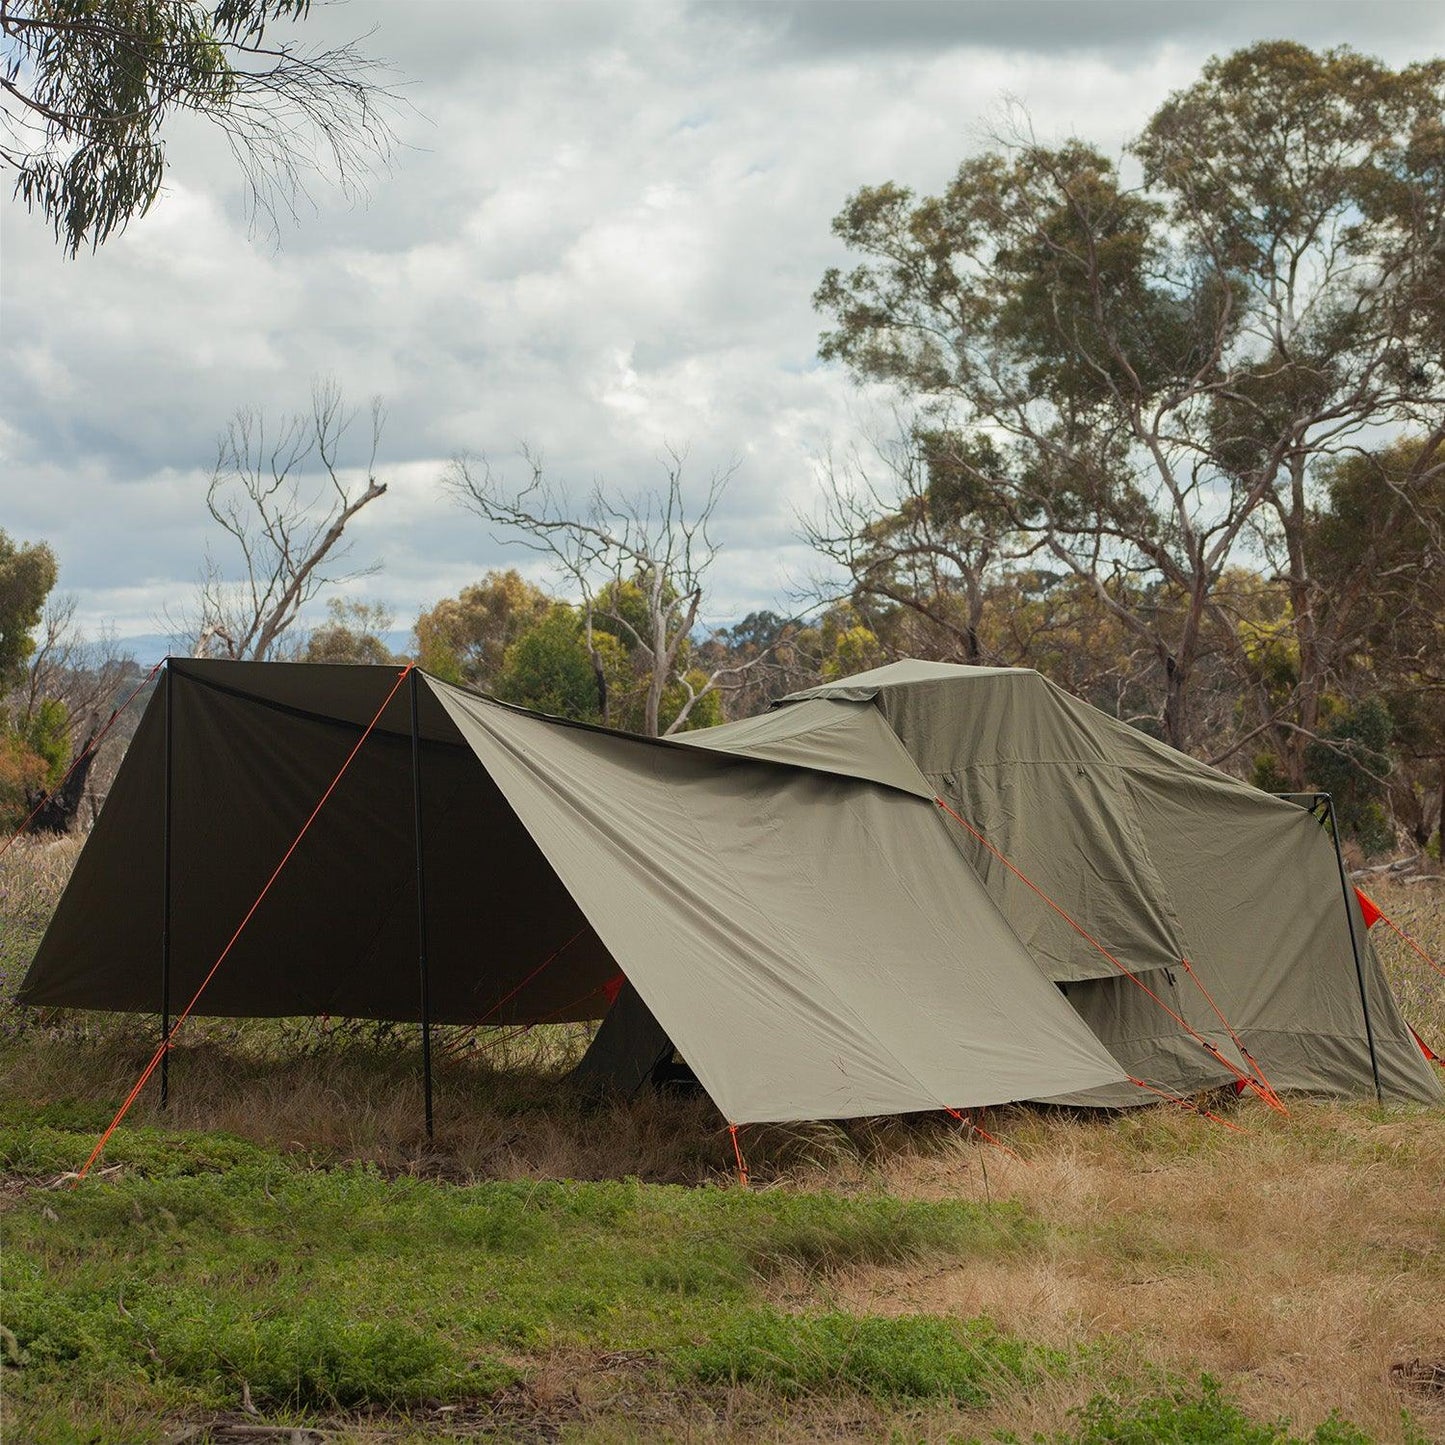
{"points": [[57, 811], [651, 722], [975, 617], [600, 674], [1176, 690], [1306, 630]]}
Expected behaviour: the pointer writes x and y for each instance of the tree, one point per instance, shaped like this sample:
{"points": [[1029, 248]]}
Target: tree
{"points": [[56, 693], [287, 534], [639, 563], [768, 656], [933, 569], [464, 639], [1350, 760], [550, 667], [27, 575], [1148, 379], [925, 542], [353, 632], [1377, 547], [86, 87]]}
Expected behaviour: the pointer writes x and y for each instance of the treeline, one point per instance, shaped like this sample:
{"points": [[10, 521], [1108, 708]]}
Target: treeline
{"points": [[1175, 421], [1171, 430]]}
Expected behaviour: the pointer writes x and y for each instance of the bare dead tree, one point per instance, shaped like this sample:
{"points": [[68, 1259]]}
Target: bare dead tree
{"points": [[286, 529], [648, 540]]}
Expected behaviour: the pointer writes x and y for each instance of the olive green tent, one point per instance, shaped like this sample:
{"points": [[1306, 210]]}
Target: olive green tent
{"points": [[795, 901], [1227, 903], [810, 942]]}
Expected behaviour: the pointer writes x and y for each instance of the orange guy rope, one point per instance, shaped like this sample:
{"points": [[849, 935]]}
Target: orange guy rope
{"points": [[983, 1133], [507, 998], [517, 1030], [1408, 941], [738, 1155], [84, 753], [1187, 1104], [1244, 1078], [165, 1044], [1245, 1054]]}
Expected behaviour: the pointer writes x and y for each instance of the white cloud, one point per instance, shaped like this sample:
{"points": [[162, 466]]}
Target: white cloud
{"points": [[600, 238]]}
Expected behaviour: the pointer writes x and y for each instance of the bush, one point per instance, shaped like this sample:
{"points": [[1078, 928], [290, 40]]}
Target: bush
{"points": [[907, 1357], [1184, 1415]]}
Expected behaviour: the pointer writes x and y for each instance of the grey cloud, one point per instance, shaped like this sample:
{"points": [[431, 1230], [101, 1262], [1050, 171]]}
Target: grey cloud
{"points": [[603, 238], [822, 27]]}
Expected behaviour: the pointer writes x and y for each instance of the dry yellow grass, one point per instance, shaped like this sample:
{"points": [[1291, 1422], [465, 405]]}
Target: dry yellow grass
{"points": [[1300, 1262], [1418, 909]]}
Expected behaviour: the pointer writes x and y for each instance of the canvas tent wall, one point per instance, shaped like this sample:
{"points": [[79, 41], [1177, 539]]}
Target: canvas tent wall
{"points": [[1159, 857], [810, 940]]}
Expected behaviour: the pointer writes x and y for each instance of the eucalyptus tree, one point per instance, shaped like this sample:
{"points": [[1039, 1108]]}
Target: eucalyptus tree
{"points": [[465, 638], [27, 575], [1144, 361], [88, 87], [1380, 539]]}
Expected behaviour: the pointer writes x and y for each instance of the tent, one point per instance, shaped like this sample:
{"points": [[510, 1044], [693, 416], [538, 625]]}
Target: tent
{"points": [[810, 942], [1230, 904], [790, 901]]}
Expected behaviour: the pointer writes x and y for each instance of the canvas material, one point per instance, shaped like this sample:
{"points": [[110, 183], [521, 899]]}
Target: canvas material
{"points": [[255, 746], [810, 943], [1161, 858], [1246, 886]]}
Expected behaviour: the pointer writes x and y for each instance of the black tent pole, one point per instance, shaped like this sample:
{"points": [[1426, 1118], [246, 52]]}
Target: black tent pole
{"points": [[1354, 943], [421, 906], [166, 906]]}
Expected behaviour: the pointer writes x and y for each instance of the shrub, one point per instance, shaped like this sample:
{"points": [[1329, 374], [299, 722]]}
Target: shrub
{"points": [[905, 1357]]}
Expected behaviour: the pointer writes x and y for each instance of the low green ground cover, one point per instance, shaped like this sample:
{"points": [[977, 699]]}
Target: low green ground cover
{"points": [[206, 1270], [204, 1273]]}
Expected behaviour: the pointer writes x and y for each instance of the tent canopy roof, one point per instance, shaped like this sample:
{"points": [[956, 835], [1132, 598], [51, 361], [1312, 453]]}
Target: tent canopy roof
{"points": [[808, 939], [908, 672]]}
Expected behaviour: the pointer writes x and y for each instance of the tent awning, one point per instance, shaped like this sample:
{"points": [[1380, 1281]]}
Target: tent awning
{"points": [[810, 940], [812, 944]]}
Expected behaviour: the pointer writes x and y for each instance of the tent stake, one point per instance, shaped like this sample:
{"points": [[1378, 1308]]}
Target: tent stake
{"points": [[166, 907], [421, 907], [1354, 942]]}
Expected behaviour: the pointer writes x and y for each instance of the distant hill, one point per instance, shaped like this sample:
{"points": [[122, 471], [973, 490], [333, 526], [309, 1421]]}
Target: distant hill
{"points": [[148, 648]]}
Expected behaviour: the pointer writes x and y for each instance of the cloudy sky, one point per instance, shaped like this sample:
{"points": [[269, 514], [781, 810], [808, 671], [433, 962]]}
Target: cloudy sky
{"points": [[598, 238]]}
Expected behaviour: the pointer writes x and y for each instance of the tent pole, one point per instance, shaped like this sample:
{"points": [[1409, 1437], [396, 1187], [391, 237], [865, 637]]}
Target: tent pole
{"points": [[166, 907], [1354, 943], [421, 906]]}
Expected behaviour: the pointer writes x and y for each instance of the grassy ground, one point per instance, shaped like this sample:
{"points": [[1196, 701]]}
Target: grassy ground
{"points": [[285, 1248]]}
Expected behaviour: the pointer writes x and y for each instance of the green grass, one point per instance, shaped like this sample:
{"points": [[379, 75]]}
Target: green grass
{"points": [[1185, 1414], [206, 1273], [208, 1268], [908, 1357]]}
